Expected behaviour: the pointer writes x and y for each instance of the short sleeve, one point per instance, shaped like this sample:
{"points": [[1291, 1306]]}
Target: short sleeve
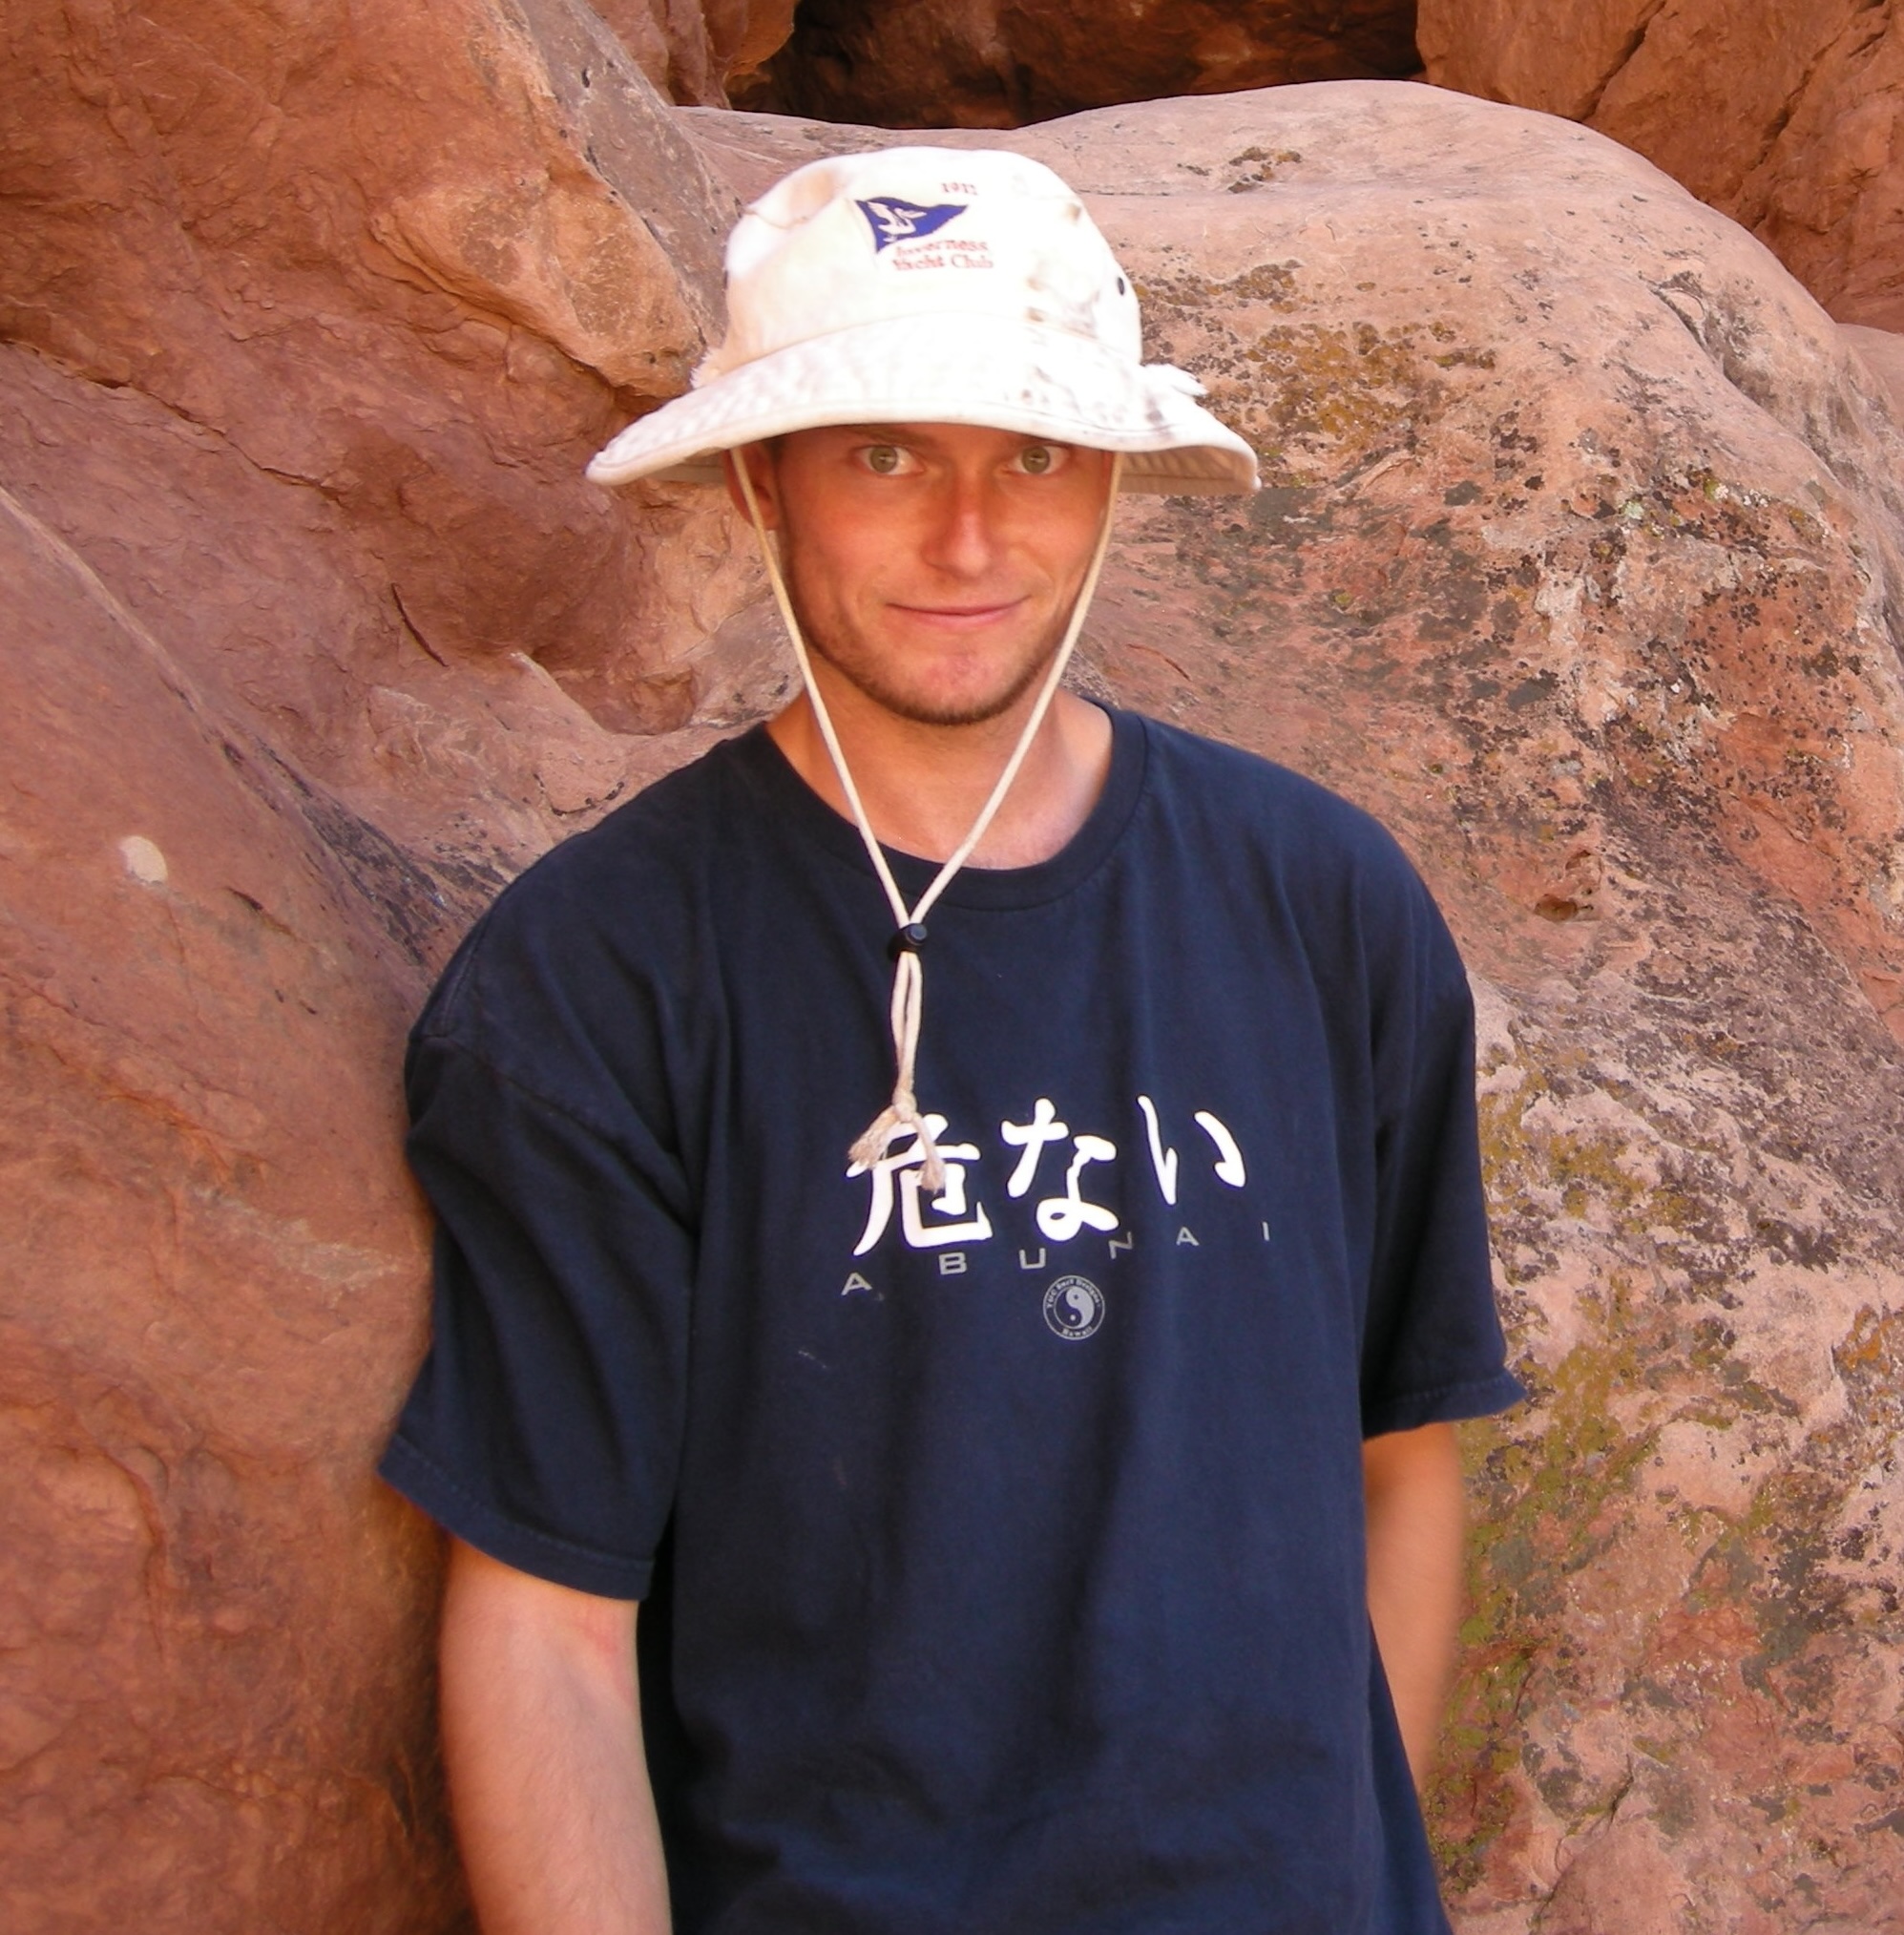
{"points": [[1432, 1349], [544, 1425]]}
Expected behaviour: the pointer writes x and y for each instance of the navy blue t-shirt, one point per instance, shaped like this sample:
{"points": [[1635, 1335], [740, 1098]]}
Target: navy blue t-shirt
{"points": [[1003, 1548]]}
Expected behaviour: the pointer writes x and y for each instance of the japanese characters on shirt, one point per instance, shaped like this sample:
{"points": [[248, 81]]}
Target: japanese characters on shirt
{"points": [[1063, 1174]]}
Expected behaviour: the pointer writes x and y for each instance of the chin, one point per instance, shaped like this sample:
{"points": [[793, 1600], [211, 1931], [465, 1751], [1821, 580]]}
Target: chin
{"points": [[945, 686], [955, 704], [980, 713]]}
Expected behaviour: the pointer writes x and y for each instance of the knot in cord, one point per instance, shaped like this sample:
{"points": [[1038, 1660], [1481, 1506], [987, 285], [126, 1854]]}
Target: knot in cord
{"points": [[908, 1007], [909, 972]]}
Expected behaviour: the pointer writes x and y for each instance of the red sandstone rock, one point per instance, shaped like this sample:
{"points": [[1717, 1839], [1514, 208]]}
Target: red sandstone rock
{"points": [[1785, 117], [420, 260], [1829, 193], [312, 321], [990, 64], [691, 53], [246, 816], [214, 1705], [1882, 353], [1578, 562], [309, 599]]}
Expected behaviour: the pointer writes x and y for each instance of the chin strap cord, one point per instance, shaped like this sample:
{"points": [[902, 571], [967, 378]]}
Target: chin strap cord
{"points": [[908, 973]]}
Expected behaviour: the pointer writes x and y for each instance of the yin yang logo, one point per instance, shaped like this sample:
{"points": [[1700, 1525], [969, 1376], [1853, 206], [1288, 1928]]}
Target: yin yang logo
{"points": [[1074, 1307]]}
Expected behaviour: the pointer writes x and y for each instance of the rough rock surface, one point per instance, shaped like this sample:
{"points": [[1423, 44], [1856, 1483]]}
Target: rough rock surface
{"points": [[991, 64], [420, 259], [213, 1627], [692, 52], [1786, 117], [1882, 351], [310, 321], [1578, 564]]}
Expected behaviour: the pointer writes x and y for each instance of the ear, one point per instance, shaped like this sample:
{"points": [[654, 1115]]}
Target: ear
{"points": [[759, 460]]}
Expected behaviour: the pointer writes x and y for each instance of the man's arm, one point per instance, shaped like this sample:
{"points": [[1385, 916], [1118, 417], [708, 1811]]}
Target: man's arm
{"points": [[542, 1736], [1412, 1484]]}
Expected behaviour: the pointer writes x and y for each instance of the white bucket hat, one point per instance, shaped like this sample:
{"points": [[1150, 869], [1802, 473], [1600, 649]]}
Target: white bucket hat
{"points": [[932, 285]]}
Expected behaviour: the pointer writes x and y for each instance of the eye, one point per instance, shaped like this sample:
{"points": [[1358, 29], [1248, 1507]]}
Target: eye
{"points": [[1039, 460], [885, 460]]}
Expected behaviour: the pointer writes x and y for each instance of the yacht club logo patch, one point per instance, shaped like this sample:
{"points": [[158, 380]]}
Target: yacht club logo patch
{"points": [[893, 219], [1074, 1307]]}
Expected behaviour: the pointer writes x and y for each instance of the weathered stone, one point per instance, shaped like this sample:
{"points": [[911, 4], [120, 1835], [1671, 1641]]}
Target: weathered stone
{"points": [[1882, 353], [1578, 563], [409, 256], [287, 511], [990, 64], [1785, 117], [691, 53], [214, 1705], [307, 594], [248, 816]]}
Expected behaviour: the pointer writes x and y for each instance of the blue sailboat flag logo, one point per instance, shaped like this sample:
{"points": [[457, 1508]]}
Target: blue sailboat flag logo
{"points": [[893, 219]]}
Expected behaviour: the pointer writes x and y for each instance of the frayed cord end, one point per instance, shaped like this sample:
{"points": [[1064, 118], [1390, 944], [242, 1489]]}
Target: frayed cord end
{"points": [[901, 1112]]}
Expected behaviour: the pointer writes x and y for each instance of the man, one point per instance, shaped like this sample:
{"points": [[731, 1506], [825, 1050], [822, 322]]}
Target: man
{"points": [[991, 1474]]}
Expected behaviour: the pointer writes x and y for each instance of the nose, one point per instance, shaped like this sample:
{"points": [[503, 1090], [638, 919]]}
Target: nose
{"points": [[963, 538]]}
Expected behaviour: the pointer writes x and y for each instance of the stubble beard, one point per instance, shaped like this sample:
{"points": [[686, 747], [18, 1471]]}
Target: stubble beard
{"points": [[859, 663]]}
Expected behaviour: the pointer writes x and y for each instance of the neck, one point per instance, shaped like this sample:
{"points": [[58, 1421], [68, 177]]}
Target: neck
{"points": [[923, 785]]}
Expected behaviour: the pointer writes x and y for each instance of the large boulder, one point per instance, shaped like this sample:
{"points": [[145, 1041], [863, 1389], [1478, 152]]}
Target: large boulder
{"points": [[311, 320], [214, 1689], [1786, 118], [1578, 562], [418, 259], [247, 816], [991, 64], [694, 53]]}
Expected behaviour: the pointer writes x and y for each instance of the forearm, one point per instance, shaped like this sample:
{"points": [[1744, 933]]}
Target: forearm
{"points": [[1412, 1481], [542, 1738]]}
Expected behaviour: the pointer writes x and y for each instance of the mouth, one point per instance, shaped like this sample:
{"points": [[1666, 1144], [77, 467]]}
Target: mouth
{"points": [[959, 618]]}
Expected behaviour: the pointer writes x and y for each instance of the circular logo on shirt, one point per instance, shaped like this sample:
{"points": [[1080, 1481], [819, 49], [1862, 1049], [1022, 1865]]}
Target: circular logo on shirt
{"points": [[1074, 1307]]}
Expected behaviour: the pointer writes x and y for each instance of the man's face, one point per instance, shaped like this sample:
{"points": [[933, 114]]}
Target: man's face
{"points": [[933, 566]]}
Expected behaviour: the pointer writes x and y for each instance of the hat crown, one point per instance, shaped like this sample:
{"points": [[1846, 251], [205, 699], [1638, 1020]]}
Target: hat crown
{"points": [[910, 232]]}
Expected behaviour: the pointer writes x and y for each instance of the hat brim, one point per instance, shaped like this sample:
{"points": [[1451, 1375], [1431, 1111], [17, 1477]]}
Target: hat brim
{"points": [[944, 369]]}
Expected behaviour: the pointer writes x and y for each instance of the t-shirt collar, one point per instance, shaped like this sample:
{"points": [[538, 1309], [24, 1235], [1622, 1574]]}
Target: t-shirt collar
{"points": [[792, 804]]}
